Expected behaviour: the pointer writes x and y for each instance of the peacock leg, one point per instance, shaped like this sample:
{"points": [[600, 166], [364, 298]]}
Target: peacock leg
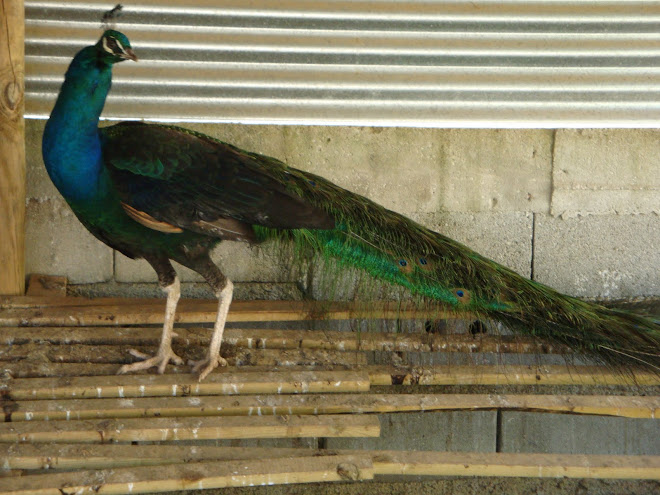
{"points": [[172, 287], [223, 289], [213, 358]]}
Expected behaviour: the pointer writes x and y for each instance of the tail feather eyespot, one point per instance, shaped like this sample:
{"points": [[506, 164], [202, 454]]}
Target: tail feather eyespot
{"points": [[463, 295], [425, 264], [404, 265]]}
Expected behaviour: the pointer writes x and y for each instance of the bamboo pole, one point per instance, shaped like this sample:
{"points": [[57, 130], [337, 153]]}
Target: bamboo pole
{"points": [[195, 476], [406, 463], [227, 382], [33, 369], [506, 375], [26, 456], [178, 429], [517, 465], [12, 148], [320, 404], [113, 354], [71, 311], [281, 339], [380, 375]]}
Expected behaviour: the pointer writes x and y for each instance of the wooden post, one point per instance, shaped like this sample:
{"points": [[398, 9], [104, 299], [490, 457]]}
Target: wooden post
{"points": [[12, 148]]}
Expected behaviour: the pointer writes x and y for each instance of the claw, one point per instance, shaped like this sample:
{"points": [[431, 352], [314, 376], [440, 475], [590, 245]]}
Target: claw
{"points": [[160, 360], [204, 366]]}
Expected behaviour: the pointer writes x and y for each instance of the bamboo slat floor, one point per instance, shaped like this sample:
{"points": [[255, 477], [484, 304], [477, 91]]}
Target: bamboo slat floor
{"points": [[60, 355]]}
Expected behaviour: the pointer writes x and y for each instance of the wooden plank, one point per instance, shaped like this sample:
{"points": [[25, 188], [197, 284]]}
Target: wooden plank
{"points": [[225, 382], [315, 404], [506, 375], [517, 465], [12, 148], [46, 286], [94, 312], [282, 339], [195, 475], [178, 429]]}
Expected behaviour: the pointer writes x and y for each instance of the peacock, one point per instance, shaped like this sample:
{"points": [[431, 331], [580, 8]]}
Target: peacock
{"points": [[163, 193]]}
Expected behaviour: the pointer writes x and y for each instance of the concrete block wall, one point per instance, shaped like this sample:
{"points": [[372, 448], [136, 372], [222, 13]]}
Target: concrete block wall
{"points": [[576, 209]]}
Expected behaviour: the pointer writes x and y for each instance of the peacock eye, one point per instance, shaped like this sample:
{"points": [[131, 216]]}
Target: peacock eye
{"points": [[109, 45]]}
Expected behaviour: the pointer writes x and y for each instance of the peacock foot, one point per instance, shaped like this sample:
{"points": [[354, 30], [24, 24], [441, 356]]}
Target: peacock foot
{"points": [[205, 366], [160, 360]]}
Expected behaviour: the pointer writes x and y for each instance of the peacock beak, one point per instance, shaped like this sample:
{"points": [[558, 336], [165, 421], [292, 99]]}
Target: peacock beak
{"points": [[129, 54]]}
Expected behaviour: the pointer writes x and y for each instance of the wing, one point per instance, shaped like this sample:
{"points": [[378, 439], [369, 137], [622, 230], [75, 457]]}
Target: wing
{"points": [[171, 179]]}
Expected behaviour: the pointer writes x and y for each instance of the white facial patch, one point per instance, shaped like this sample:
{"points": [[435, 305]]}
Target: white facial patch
{"points": [[110, 50], [106, 47]]}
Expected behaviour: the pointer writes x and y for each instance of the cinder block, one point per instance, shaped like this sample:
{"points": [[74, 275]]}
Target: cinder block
{"points": [[413, 170], [502, 237], [568, 434], [601, 256], [56, 243], [497, 170], [38, 183], [238, 261], [606, 171], [398, 168], [445, 431]]}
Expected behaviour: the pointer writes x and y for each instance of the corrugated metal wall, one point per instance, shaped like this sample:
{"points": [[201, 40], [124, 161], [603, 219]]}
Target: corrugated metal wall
{"points": [[388, 62]]}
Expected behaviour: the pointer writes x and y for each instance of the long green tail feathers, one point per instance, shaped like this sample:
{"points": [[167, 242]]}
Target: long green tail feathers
{"points": [[437, 269]]}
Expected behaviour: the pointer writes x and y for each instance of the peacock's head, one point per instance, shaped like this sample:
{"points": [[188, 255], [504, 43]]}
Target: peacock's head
{"points": [[114, 47]]}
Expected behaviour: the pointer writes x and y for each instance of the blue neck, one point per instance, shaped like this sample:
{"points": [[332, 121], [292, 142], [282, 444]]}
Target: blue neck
{"points": [[71, 146]]}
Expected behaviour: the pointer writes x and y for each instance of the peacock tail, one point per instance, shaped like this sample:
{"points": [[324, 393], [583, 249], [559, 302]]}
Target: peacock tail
{"points": [[437, 269]]}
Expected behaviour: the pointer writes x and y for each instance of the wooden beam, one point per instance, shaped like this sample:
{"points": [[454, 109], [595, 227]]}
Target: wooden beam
{"points": [[12, 148], [195, 476], [46, 286], [179, 429], [318, 404]]}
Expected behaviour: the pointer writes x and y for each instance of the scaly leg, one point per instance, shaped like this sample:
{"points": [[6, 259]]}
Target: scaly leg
{"points": [[165, 353], [213, 358], [223, 289]]}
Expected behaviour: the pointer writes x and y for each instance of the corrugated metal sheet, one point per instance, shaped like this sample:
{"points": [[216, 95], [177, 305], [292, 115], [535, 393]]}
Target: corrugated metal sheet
{"points": [[387, 62]]}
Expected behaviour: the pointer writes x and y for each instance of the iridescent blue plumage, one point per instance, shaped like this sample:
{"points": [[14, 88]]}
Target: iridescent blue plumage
{"points": [[165, 193]]}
